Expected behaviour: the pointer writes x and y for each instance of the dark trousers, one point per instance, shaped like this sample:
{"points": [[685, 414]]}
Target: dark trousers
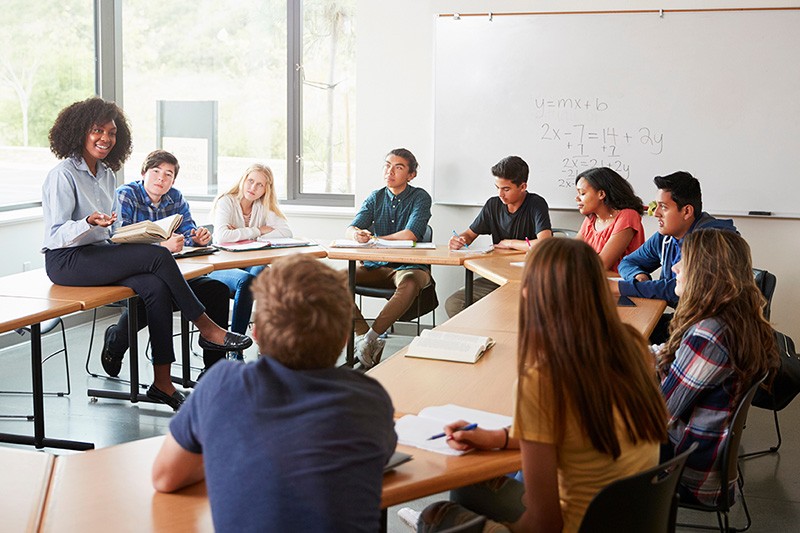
{"points": [[149, 270], [212, 294]]}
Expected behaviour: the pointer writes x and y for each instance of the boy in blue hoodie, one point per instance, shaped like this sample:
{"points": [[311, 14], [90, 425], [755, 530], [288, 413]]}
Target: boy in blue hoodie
{"points": [[679, 212]]}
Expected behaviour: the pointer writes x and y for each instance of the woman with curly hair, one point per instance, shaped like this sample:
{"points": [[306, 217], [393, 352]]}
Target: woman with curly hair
{"points": [[248, 210], [93, 139], [613, 223], [719, 345]]}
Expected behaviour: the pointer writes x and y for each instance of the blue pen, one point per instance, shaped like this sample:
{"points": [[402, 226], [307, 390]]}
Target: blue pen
{"points": [[457, 236], [465, 428]]}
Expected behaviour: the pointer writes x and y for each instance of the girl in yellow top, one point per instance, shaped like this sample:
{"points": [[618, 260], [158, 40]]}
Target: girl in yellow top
{"points": [[588, 408]]}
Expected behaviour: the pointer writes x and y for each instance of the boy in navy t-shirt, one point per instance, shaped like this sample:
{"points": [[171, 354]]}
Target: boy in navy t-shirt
{"points": [[289, 442]]}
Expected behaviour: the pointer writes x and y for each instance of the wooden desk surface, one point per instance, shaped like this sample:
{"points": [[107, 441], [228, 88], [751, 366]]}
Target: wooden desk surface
{"points": [[110, 489], [414, 384], [413, 256], [90, 491], [224, 259], [430, 473], [24, 480], [18, 312], [36, 284], [497, 268]]}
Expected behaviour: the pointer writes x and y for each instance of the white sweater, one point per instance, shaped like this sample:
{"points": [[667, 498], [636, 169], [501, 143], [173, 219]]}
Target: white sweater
{"points": [[228, 211]]}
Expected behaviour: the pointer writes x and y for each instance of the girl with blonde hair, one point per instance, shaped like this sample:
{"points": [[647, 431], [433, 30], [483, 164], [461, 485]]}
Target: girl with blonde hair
{"points": [[249, 210]]}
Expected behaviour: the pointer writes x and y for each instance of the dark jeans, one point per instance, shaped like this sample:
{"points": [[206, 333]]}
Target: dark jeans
{"points": [[211, 293], [149, 270]]}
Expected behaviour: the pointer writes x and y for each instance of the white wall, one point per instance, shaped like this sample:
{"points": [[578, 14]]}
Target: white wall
{"points": [[395, 100]]}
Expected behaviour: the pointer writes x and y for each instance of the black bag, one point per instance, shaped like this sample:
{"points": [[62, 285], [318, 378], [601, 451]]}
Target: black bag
{"points": [[786, 384]]}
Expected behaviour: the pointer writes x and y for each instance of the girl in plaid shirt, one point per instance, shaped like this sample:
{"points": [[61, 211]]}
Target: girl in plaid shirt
{"points": [[719, 344]]}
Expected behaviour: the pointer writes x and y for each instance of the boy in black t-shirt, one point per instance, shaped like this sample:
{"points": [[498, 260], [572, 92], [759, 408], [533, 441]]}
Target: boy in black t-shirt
{"points": [[515, 218]]}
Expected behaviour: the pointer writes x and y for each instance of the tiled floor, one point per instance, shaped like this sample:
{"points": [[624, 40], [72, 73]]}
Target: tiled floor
{"points": [[772, 483]]}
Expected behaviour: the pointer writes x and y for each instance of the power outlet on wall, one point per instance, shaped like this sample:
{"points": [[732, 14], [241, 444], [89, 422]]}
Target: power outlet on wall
{"points": [[26, 266]]}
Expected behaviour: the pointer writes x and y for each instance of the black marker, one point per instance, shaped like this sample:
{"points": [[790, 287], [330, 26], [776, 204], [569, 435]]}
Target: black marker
{"points": [[760, 213]]}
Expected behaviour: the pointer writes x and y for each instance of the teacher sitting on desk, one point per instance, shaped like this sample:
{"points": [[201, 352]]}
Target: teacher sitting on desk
{"points": [[588, 410], [395, 212], [93, 139], [246, 212]]}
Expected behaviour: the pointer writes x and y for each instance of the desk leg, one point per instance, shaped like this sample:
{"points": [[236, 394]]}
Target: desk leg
{"points": [[186, 350], [351, 277], [133, 353], [38, 439], [468, 279]]}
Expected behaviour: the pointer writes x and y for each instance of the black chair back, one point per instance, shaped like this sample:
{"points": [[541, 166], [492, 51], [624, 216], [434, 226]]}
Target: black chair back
{"points": [[766, 282], [644, 502]]}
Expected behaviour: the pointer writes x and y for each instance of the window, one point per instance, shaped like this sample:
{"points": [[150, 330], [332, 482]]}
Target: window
{"points": [[221, 84], [208, 81], [46, 63]]}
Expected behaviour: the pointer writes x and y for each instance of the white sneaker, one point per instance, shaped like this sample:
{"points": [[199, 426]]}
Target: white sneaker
{"points": [[369, 352], [409, 517]]}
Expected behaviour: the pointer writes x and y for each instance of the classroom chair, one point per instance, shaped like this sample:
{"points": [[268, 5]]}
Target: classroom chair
{"points": [[729, 469], [564, 232], [426, 302], [766, 282], [647, 501], [46, 327]]}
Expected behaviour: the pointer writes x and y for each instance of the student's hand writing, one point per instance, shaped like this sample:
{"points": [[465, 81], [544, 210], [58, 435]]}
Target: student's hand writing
{"points": [[457, 242], [174, 244], [482, 439], [362, 235], [101, 219], [201, 236]]}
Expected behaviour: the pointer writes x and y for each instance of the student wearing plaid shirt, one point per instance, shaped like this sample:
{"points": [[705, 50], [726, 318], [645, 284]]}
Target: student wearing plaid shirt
{"points": [[397, 211], [154, 198], [719, 345]]}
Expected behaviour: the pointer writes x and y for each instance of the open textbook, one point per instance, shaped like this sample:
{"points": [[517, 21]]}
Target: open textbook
{"points": [[382, 243], [415, 430], [448, 346], [263, 243], [148, 231]]}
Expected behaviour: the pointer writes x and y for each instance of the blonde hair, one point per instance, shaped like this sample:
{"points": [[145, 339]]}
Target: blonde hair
{"points": [[719, 283], [570, 331], [304, 312], [269, 199]]}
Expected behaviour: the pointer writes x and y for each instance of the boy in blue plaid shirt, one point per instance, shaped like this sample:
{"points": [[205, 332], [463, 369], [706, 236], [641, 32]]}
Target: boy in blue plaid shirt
{"points": [[397, 211]]}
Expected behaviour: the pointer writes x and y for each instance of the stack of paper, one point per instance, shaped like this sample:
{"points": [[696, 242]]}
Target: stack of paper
{"points": [[415, 430]]}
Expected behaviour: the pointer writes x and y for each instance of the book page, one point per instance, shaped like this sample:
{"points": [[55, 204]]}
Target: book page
{"points": [[242, 246], [169, 224], [388, 243], [283, 242], [349, 243], [480, 340], [475, 249], [415, 430], [450, 413]]}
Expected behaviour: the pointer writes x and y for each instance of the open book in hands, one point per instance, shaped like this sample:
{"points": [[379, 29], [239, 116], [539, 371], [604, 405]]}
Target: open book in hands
{"points": [[416, 430], [448, 346], [148, 231]]}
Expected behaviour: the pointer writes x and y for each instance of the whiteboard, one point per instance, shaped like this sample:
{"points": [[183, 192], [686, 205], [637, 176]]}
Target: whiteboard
{"points": [[715, 94]]}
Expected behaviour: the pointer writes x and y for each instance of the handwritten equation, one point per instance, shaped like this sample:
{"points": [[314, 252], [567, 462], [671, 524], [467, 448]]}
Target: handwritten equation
{"points": [[580, 133]]}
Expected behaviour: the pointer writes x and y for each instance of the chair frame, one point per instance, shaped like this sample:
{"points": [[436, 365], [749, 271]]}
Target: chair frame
{"points": [[730, 469]]}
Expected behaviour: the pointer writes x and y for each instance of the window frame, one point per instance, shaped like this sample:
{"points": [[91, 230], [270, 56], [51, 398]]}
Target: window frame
{"points": [[108, 47]]}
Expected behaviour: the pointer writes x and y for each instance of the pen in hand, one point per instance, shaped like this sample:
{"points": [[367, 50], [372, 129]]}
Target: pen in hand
{"points": [[528, 242], [468, 427], [458, 238]]}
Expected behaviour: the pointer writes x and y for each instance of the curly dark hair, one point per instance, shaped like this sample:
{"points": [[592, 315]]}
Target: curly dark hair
{"points": [[68, 134], [619, 192]]}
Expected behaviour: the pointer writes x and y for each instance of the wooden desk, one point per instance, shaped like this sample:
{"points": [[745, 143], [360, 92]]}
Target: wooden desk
{"points": [[110, 489], [16, 312], [497, 268], [112, 486], [223, 259], [441, 255], [24, 482], [414, 384]]}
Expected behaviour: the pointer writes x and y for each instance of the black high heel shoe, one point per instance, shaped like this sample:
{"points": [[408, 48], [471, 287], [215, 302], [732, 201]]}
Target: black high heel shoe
{"points": [[234, 342]]}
